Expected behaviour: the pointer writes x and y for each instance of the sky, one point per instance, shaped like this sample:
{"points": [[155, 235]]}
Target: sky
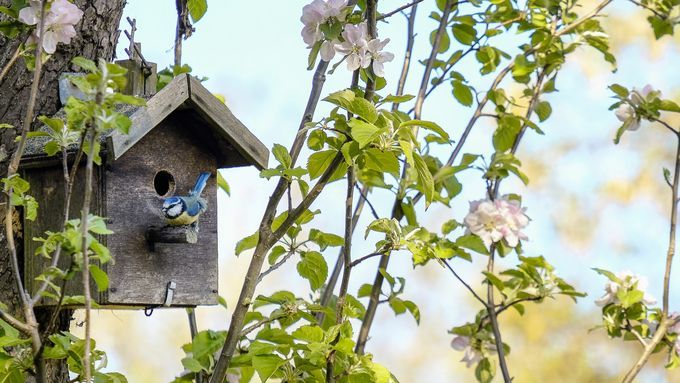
{"points": [[252, 53]]}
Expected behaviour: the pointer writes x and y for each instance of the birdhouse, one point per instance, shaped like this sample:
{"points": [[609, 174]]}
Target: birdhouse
{"points": [[184, 130]]}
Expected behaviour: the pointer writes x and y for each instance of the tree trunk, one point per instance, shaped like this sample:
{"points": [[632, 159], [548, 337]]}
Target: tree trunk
{"points": [[97, 37]]}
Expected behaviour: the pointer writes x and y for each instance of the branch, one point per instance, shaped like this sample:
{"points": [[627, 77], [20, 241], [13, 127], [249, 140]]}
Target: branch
{"points": [[665, 321], [494, 320], [649, 349], [12, 169], [266, 236], [260, 323], [370, 205], [16, 323], [330, 286], [89, 168], [347, 262]]}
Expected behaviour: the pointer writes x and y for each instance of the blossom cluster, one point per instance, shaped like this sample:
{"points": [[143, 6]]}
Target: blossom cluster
{"points": [[495, 220], [354, 43], [60, 19], [628, 281], [626, 111]]}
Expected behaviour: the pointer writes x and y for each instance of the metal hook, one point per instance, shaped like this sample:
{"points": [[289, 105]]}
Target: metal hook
{"points": [[169, 293]]}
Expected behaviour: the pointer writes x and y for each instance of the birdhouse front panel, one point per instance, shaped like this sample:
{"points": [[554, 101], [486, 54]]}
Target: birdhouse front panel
{"points": [[164, 163]]}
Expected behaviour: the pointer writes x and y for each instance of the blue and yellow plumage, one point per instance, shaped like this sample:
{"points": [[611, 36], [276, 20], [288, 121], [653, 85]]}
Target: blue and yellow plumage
{"points": [[185, 210]]}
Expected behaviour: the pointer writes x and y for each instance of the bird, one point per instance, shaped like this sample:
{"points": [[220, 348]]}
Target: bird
{"points": [[185, 210]]}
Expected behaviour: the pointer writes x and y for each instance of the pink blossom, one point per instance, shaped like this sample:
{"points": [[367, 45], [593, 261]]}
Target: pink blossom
{"points": [[493, 221], [629, 281], [59, 23], [471, 355]]}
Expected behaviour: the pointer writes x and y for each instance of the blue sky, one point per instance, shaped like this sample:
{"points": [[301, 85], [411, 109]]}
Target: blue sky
{"points": [[253, 54]]}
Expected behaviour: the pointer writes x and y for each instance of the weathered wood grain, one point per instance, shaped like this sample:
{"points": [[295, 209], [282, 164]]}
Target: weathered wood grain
{"points": [[170, 234]]}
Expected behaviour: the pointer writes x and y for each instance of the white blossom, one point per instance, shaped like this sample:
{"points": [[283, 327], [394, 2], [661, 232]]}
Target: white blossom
{"points": [[629, 281], [493, 221], [355, 46], [470, 355], [626, 113], [316, 13], [59, 22], [374, 48]]}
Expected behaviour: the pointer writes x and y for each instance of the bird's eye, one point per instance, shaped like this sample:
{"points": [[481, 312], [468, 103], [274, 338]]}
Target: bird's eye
{"points": [[164, 183]]}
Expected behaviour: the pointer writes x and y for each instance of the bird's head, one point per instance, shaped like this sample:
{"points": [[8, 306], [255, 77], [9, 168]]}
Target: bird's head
{"points": [[173, 207]]}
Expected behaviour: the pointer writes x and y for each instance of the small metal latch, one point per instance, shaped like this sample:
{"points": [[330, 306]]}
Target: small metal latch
{"points": [[169, 292]]}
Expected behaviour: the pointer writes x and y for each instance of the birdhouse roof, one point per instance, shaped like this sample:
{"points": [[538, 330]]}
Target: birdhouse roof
{"points": [[204, 116]]}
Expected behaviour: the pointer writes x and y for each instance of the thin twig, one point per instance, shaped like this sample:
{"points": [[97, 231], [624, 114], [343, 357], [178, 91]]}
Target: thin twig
{"points": [[406, 66], [10, 63], [370, 205], [467, 286], [259, 324], [364, 258], [649, 349], [403, 7]]}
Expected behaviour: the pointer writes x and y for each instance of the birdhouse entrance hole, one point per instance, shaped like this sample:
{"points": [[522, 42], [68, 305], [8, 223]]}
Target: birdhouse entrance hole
{"points": [[164, 183]]}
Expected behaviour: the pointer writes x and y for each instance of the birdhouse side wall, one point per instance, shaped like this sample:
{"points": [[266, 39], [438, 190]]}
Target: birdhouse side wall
{"points": [[140, 275], [47, 187]]}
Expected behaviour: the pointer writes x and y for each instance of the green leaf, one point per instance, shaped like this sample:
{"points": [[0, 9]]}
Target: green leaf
{"points": [[309, 333], [669, 106], [313, 267], [398, 99], [364, 109], [363, 132], [197, 8], [494, 280], [462, 93], [611, 276], [84, 63], [429, 125], [464, 33], [485, 371], [281, 154], [100, 278], [222, 184], [380, 161], [319, 162], [413, 309], [472, 242], [543, 110], [425, 180], [444, 41], [266, 365], [619, 90], [248, 242]]}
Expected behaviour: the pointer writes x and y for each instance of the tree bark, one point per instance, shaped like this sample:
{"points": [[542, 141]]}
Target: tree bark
{"points": [[97, 35]]}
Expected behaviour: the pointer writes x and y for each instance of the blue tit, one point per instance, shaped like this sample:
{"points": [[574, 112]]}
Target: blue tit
{"points": [[185, 210]]}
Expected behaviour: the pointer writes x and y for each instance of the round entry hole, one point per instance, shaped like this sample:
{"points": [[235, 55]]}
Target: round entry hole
{"points": [[164, 183]]}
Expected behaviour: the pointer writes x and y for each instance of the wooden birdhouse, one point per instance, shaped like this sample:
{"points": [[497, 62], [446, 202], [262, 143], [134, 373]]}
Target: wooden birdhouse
{"points": [[184, 130]]}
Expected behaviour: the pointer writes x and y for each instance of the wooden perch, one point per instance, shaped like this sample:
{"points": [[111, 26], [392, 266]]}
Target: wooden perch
{"points": [[171, 234]]}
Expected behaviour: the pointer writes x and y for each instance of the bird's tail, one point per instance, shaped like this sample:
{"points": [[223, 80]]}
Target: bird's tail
{"points": [[200, 184]]}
